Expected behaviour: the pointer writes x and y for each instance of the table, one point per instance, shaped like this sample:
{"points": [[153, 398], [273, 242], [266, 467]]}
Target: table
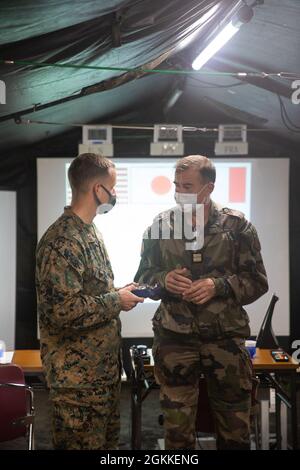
{"points": [[29, 360], [269, 371]]}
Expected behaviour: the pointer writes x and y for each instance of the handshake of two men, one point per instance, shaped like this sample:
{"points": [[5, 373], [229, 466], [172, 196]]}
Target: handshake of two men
{"points": [[176, 282]]}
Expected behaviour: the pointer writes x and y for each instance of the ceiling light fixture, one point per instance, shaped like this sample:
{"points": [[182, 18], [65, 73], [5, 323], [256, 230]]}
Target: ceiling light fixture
{"points": [[244, 15]]}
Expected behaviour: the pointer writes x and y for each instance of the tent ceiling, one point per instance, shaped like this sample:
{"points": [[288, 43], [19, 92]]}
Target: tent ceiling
{"points": [[151, 34]]}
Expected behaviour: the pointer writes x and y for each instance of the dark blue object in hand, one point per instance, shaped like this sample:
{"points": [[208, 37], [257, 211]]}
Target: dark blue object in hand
{"points": [[153, 292]]}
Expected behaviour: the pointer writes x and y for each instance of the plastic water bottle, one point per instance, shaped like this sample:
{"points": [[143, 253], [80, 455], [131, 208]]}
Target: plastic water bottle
{"points": [[2, 352]]}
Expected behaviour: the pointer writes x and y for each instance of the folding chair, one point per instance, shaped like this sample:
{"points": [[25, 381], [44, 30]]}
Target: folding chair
{"points": [[16, 406]]}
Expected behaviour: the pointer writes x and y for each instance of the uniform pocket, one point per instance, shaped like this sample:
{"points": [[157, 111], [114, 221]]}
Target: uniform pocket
{"points": [[228, 370], [233, 320]]}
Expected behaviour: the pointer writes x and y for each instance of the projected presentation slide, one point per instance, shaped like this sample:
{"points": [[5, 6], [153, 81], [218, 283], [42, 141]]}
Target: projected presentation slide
{"points": [[144, 189]]}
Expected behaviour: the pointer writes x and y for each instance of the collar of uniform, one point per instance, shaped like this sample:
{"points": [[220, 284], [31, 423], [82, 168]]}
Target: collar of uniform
{"points": [[69, 213], [212, 225], [89, 229], [213, 214]]}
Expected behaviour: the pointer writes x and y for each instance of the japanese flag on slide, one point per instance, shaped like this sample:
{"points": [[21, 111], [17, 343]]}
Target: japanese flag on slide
{"points": [[152, 184], [147, 184]]}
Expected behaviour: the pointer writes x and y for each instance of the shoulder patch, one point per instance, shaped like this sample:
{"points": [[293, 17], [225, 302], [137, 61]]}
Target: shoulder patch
{"points": [[232, 212]]}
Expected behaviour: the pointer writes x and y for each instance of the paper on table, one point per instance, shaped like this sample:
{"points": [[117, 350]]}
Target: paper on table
{"points": [[7, 357]]}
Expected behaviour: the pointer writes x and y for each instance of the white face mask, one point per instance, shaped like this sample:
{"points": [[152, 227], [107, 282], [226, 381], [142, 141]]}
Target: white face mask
{"points": [[103, 208], [185, 198], [190, 199]]}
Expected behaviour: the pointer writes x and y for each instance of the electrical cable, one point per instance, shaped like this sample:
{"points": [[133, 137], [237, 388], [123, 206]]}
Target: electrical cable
{"points": [[20, 121], [288, 75], [287, 122]]}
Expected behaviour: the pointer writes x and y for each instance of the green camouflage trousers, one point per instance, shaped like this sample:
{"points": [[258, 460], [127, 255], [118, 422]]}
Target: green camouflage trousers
{"points": [[179, 361], [86, 419]]}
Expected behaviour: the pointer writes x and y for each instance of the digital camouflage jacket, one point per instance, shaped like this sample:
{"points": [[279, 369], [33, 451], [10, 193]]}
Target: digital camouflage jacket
{"points": [[78, 306]]}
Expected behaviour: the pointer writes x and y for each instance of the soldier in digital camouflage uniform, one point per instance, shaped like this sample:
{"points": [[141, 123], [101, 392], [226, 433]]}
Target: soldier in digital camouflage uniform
{"points": [[79, 309], [200, 325]]}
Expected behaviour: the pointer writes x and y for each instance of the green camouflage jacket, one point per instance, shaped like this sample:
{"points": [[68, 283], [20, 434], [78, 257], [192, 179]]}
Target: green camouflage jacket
{"points": [[230, 256], [78, 306]]}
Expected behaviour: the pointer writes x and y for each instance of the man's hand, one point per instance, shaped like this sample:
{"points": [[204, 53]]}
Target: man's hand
{"points": [[128, 300], [177, 282], [200, 292]]}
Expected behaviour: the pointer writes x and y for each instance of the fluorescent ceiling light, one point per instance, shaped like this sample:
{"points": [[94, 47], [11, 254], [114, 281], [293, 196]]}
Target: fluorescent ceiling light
{"points": [[244, 15], [196, 27], [216, 44]]}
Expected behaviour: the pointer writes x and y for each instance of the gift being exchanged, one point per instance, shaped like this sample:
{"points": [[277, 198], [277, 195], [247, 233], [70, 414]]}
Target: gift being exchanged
{"points": [[146, 291]]}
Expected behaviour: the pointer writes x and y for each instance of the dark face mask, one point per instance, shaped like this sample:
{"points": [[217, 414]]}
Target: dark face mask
{"points": [[103, 208]]}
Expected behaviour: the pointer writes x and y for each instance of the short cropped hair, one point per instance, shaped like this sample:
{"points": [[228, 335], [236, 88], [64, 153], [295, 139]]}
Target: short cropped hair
{"points": [[203, 164], [87, 167]]}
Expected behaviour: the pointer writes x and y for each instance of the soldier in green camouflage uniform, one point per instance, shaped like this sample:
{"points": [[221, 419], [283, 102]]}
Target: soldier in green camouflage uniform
{"points": [[79, 309], [200, 325]]}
